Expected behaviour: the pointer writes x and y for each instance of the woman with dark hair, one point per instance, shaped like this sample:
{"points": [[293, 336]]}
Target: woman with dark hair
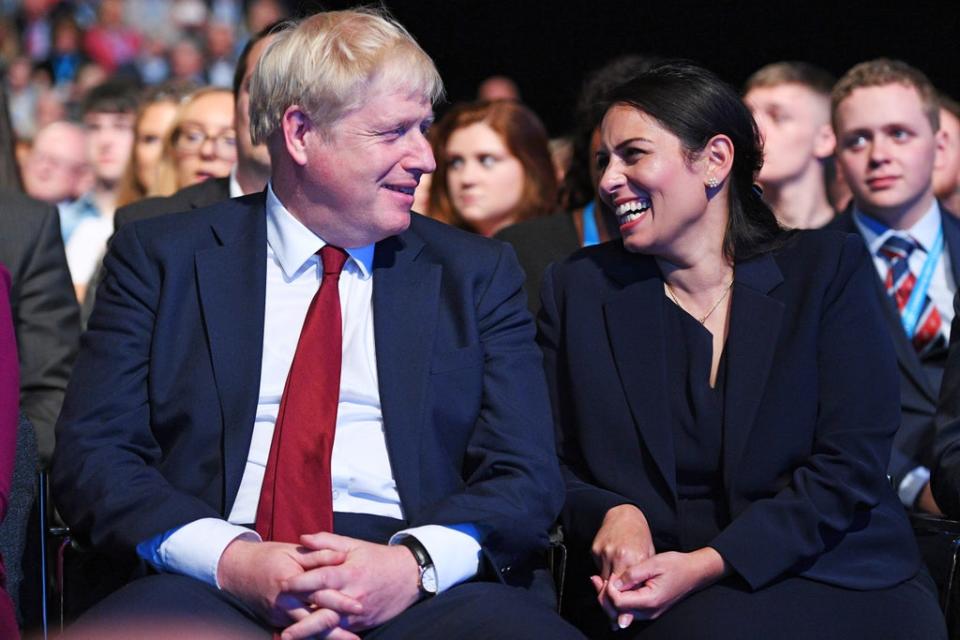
{"points": [[493, 167], [725, 396]]}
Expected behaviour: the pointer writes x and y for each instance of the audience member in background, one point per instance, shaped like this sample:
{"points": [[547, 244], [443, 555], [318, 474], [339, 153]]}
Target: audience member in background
{"points": [[252, 169], [498, 88], [791, 103], [187, 63], [9, 384], [57, 167], [45, 314], [110, 42], [154, 120], [946, 172], [561, 153], [66, 55], [220, 51], [22, 97], [886, 119], [107, 114], [725, 398], [584, 220], [201, 143], [493, 167]]}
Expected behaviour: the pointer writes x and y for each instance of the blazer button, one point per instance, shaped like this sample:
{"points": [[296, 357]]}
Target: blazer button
{"points": [[505, 570]]}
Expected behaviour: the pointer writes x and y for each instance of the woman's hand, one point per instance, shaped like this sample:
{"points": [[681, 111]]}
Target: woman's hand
{"points": [[648, 589], [623, 540]]}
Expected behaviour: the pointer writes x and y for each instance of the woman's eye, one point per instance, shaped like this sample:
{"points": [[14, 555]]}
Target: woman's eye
{"points": [[454, 163], [487, 161]]}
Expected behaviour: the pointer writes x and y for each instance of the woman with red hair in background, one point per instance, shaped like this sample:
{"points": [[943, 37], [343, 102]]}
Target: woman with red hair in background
{"points": [[493, 167]]}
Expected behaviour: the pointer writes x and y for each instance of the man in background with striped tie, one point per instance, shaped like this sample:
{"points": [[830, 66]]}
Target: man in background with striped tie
{"points": [[886, 120]]}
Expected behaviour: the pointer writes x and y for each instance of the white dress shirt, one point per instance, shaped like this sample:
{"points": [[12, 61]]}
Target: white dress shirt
{"points": [[942, 287], [362, 478]]}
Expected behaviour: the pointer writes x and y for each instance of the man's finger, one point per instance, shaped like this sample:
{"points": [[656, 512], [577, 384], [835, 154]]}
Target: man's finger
{"points": [[310, 559], [336, 600], [327, 540], [313, 580], [321, 623]]}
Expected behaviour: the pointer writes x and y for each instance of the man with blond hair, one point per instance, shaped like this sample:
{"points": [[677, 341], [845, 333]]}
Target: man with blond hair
{"points": [[309, 409], [886, 118], [791, 103]]}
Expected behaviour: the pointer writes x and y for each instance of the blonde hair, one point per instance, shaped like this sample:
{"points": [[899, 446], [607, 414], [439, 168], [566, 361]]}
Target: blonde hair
{"points": [[173, 92], [884, 71], [166, 182], [326, 62]]}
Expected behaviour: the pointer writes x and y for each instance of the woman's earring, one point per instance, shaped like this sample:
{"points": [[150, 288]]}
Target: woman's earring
{"points": [[712, 182]]}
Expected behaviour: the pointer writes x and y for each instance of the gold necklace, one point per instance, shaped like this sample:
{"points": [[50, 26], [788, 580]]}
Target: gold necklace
{"points": [[716, 304]]}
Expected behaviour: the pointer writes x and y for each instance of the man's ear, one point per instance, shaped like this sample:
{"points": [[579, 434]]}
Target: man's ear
{"points": [[940, 156], [296, 126], [824, 142]]}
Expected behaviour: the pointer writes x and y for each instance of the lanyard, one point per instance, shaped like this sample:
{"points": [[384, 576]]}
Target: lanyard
{"points": [[911, 311], [591, 235]]}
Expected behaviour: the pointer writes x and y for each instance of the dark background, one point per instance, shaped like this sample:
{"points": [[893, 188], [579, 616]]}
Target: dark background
{"points": [[549, 47]]}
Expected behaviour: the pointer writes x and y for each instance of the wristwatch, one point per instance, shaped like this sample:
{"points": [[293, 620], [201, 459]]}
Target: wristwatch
{"points": [[427, 579]]}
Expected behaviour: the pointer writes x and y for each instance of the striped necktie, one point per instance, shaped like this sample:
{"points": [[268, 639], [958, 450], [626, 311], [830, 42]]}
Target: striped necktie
{"points": [[899, 283]]}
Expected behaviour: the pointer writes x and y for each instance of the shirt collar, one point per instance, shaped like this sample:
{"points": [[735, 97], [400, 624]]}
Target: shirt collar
{"points": [[235, 189], [924, 231], [294, 244]]}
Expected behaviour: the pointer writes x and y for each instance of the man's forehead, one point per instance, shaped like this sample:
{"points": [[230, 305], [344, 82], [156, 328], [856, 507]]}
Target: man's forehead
{"points": [[880, 105]]}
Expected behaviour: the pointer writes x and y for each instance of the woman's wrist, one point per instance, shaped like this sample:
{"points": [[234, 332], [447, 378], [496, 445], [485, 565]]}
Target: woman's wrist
{"points": [[712, 567]]}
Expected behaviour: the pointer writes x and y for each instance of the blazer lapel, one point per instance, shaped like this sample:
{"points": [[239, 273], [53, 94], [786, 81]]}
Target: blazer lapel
{"points": [[634, 323], [406, 295], [906, 355], [754, 327], [231, 279]]}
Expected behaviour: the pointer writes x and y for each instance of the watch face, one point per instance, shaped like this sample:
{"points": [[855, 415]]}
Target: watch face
{"points": [[428, 579]]}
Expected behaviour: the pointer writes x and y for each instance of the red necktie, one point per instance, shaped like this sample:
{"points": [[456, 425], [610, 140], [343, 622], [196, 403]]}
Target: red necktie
{"points": [[296, 496], [900, 282]]}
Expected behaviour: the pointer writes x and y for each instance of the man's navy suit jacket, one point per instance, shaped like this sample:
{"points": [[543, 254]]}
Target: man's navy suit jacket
{"points": [[919, 381], [158, 418]]}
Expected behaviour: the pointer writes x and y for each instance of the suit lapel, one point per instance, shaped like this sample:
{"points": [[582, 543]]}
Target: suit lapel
{"points": [[634, 323], [910, 365], [755, 320], [231, 280], [406, 295]]}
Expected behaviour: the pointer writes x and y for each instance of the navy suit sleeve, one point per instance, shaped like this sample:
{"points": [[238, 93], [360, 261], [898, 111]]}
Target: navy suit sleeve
{"points": [[512, 490], [106, 467], [858, 413], [945, 481]]}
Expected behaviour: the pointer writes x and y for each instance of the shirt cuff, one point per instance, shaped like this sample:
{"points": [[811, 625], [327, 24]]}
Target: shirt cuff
{"points": [[194, 549], [454, 550], [911, 486]]}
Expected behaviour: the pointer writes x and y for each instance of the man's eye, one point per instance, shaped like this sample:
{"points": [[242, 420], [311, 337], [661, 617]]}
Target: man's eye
{"points": [[900, 134], [855, 142]]}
